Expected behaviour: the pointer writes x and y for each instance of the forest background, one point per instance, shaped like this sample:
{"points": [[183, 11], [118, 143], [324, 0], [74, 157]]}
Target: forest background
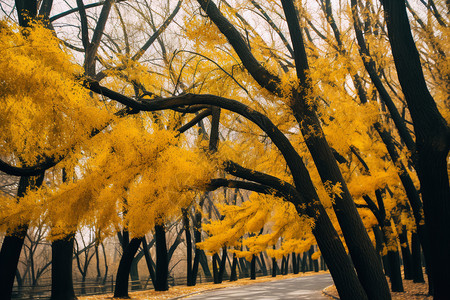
{"points": [[127, 118]]}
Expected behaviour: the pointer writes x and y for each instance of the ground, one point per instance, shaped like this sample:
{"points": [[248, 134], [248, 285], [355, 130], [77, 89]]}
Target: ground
{"points": [[413, 291]]}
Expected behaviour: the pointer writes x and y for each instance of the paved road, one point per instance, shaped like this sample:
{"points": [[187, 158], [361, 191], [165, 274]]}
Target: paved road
{"points": [[300, 288]]}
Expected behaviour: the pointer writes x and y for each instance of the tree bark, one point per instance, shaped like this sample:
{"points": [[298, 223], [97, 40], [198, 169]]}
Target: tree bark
{"points": [[148, 260], [123, 272], [13, 241], [263, 264], [294, 263], [233, 275], [396, 276], [364, 257], [406, 254], [62, 284], [162, 261], [253, 268], [274, 267], [187, 232], [416, 259], [432, 140]]}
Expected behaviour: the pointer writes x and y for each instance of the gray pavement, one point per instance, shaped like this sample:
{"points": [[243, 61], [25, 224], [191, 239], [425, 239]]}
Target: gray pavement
{"points": [[300, 288]]}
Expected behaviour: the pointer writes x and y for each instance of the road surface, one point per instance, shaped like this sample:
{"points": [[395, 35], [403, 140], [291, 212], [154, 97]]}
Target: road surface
{"points": [[300, 288]]}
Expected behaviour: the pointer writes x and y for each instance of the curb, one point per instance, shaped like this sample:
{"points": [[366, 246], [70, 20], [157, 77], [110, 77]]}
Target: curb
{"points": [[328, 294]]}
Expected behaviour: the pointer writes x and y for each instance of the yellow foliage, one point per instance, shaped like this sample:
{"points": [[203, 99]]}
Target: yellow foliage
{"points": [[143, 175], [242, 225], [44, 110]]}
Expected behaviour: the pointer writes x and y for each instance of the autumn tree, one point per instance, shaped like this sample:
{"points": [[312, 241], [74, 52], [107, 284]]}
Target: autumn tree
{"points": [[298, 91]]}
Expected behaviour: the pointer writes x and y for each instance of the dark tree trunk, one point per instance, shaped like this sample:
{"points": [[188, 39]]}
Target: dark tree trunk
{"points": [[274, 267], [432, 141], [286, 265], [199, 255], [395, 276], [134, 275], [149, 261], [283, 262], [416, 259], [263, 264], [393, 257], [13, 241], [253, 268], [233, 275], [162, 261], [62, 284], [310, 260], [215, 263], [339, 264], [219, 266], [9, 258], [364, 257], [187, 232], [380, 245], [27, 11], [204, 263], [305, 263], [406, 254], [413, 197], [244, 269], [294, 263], [316, 265], [323, 266], [97, 263], [123, 272]]}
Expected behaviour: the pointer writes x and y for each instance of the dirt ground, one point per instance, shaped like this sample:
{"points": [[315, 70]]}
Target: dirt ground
{"points": [[413, 291]]}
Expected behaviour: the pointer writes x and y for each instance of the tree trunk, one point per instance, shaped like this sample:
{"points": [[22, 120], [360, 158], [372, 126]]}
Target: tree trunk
{"points": [[13, 241], [219, 266], [283, 262], [274, 267], [305, 263], [406, 254], [263, 264], [9, 258], [339, 264], [123, 272], [393, 257], [244, 268], [432, 141], [364, 257], [286, 265], [253, 268], [233, 275], [396, 276], [204, 263], [188, 237], [416, 259], [134, 275], [310, 260], [162, 262], [148, 261], [294, 263], [62, 284], [215, 264], [97, 263], [380, 246]]}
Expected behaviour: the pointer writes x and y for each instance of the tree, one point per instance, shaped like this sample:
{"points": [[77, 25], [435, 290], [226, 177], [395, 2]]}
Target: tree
{"points": [[432, 141], [297, 101]]}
